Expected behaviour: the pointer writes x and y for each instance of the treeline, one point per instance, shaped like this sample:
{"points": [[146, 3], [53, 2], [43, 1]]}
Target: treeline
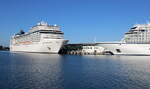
{"points": [[3, 48]]}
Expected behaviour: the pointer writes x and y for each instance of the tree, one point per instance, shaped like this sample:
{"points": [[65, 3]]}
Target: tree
{"points": [[1, 47]]}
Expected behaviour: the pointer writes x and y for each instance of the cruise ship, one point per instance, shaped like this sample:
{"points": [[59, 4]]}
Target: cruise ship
{"points": [[135, 42], [43, 38]]}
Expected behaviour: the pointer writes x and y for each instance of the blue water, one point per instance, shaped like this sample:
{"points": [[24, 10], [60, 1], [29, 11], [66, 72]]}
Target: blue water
{"points": [[52, 71]]}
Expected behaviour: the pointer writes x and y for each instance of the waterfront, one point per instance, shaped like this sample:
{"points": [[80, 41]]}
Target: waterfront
{"points": [[53, 71]]}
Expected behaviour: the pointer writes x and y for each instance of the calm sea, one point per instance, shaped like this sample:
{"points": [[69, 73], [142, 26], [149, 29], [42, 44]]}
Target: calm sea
{"points": [[52, 71]]}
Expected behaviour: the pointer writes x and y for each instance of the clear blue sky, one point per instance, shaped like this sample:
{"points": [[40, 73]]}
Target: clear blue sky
{"points": [[81, 20]]}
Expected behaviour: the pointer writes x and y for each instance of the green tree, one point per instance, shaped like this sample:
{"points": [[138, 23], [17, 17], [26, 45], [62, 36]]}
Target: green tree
{"points": [[1, 47]]}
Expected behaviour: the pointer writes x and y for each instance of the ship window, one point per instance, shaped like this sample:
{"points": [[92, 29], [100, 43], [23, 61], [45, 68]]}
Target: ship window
{"points": [[142, 30], [118, 50]]}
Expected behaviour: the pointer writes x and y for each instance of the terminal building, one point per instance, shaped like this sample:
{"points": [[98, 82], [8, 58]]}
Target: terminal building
{"points": [[92, 49], [82, 48]]}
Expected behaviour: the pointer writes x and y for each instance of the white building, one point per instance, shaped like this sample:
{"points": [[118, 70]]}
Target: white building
{"points": [[92, 49]]}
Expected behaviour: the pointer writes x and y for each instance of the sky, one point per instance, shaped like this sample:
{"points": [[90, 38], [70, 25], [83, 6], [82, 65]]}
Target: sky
{"points": [[81, 20]]}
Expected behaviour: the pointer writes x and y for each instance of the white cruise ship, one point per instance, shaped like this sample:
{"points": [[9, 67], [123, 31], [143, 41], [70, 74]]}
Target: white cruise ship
{"points": [[135, 42], [40, 38]]}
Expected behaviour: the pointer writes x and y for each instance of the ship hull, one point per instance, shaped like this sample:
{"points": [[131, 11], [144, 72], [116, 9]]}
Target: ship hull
{"points": [[46, 46], [126, 49]]}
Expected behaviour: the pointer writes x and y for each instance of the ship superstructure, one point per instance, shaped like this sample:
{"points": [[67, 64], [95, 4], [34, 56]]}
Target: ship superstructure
{"points": [[135, 42], [139, 34], [40, 38]]}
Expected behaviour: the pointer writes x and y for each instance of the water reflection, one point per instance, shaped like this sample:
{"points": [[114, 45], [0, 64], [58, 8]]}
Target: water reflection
{"points": [[52, 71], [37, 71], [125, 71]]}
